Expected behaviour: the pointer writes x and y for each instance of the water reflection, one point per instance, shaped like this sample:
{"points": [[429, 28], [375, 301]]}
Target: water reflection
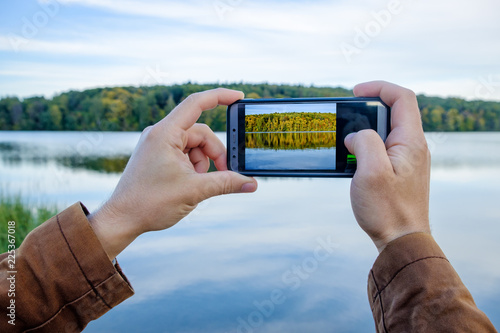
{"points": [[290, 159], [114, 164], [15, 154], [9, 146], [290, 140], [290, 150], [214, 271]]}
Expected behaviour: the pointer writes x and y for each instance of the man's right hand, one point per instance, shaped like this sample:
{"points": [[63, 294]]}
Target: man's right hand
{"points": [[390, 189]]}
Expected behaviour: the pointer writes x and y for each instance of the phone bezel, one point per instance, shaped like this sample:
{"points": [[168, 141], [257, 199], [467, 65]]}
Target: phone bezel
{"points": [[236, 140]]}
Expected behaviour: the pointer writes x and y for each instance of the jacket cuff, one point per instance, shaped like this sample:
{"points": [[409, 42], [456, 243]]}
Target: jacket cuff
{"points": [[107, 280], [399, 254], [412, 287], [65, 277]]}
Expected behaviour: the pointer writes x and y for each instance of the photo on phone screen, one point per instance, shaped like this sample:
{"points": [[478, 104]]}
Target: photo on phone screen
{"points": [[299, 137], [290, 136]]}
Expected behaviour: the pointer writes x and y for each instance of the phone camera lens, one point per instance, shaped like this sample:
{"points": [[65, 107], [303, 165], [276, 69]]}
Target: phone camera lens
{"points": [[234, 156], [234, 129]]}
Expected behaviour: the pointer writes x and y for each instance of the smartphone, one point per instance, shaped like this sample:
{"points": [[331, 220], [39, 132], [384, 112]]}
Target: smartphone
{"points": [[299, 137]]}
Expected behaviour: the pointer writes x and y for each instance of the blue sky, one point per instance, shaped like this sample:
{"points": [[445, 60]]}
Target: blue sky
{"points": [[446, 48], [284, 108]]}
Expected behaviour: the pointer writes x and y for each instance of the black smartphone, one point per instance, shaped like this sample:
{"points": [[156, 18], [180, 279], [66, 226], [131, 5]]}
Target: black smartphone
{"points": [[299, 137]]}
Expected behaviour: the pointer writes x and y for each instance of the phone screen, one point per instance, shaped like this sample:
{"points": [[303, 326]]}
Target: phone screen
{"points": [[291, 136], [301, 137]]}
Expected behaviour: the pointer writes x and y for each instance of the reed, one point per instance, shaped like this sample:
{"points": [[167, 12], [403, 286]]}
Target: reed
{"points": [[26, 215]]}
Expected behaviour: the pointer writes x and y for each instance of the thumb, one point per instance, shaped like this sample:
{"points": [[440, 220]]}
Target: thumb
{"points": [[226, 182], [369, 149]]}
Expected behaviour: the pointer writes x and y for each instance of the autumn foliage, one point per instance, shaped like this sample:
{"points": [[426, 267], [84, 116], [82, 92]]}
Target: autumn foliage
{"points": [[291, 122]]}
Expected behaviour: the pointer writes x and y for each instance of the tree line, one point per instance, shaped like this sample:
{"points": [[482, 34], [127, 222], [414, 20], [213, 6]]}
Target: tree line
{"points": [[134, 108], [292, 121]]}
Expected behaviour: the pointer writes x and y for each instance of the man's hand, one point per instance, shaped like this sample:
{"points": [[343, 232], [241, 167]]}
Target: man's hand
{"points": [[167, 177], [390, 189]]}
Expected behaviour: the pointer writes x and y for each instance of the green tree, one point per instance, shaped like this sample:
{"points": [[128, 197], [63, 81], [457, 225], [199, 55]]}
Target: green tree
{"points": [[55, 117], [133, 108], [453, 121], [170, 104], [436, 119]]}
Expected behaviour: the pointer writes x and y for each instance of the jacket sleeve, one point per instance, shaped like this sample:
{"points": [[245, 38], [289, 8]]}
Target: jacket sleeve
{"points": [[412, 287], [61, 279]]}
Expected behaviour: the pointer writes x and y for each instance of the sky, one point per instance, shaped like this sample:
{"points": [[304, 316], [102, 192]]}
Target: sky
{"points": [[441, 48], [284, 108]]}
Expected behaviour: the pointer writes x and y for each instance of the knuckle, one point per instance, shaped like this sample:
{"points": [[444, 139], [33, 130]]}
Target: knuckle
{"points": [[150, 132], [409, 94], [227, 182], [203, 127], [192, 99], [147, 130], [147, 133]]}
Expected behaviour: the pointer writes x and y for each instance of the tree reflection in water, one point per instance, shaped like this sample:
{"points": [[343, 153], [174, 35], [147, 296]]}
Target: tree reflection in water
{"points": [[290, 140]]}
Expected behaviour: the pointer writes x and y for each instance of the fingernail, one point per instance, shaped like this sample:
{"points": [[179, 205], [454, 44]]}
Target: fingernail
{"points": [[248, 187]]}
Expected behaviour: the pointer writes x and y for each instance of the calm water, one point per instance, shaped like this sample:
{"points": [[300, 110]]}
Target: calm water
{"points": [[290, 150], [293, 159], [219, 269]]}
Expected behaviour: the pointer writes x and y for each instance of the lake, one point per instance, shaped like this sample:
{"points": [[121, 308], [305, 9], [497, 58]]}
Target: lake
{"points": [[216, 270]]}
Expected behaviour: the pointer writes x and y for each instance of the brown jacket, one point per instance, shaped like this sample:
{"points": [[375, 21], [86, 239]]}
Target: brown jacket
{"points": [[64, 279]]}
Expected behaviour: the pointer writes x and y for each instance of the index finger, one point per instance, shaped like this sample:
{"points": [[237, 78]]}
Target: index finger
{"points": [[403, 102], [188, 111]]}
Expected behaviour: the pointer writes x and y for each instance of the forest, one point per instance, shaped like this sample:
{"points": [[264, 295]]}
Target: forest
{"points": [[134, 108], [291, 121]]}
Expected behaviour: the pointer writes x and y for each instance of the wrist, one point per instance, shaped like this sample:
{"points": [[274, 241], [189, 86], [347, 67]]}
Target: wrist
{"points": [[381, 244], [111, 230]]}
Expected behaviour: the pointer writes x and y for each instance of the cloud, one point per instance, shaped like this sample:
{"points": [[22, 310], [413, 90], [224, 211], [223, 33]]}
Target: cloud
{"points": [[420, 46], [284, 17]]}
